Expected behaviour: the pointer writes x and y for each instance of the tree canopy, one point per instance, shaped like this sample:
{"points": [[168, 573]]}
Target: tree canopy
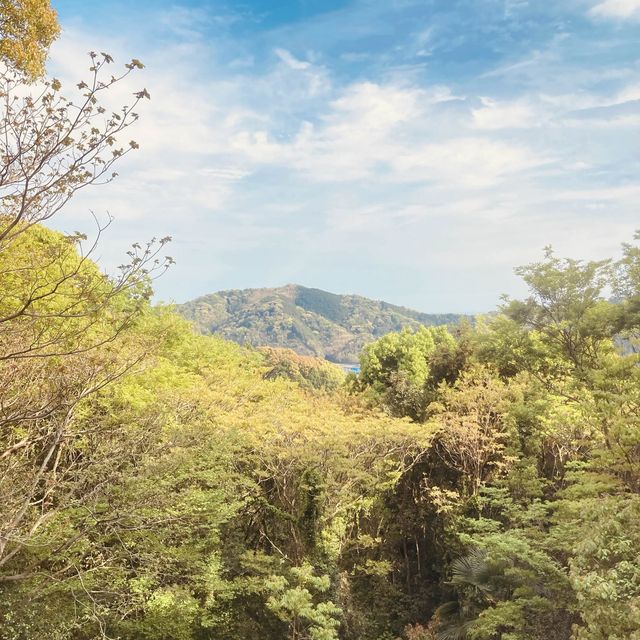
{"points": [[27, 30]]}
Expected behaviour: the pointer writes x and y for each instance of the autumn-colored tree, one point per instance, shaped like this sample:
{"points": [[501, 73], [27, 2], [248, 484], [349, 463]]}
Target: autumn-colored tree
{"points": [[475, 427], [27, 29]]}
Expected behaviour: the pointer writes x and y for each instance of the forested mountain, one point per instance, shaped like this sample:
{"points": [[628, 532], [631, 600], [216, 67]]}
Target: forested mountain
{"points": [[309, 321]]}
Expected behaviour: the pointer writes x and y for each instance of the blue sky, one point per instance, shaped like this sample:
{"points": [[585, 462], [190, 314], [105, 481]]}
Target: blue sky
{"points": [[411, 151]]}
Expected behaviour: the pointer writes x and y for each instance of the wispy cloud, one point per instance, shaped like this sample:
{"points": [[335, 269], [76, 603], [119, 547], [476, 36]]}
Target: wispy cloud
{"points": [[517, 114], [617, 9]]}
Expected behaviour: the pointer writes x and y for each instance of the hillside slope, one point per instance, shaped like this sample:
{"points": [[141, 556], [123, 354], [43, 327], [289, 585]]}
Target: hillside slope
{"points": [[309, 321]]}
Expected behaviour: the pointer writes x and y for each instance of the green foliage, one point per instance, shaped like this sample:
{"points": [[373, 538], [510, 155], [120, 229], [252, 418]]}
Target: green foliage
{"points": [[292, 601], [402, 370], [567, 308], [534, 467], [181, 475], [604, 569]]}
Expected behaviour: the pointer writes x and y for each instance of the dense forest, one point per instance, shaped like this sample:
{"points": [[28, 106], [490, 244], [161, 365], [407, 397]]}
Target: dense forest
{"points": [[476, 482], [309, 321]]}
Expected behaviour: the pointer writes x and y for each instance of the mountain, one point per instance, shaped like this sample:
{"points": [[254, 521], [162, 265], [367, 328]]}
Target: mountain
{"points": [[309, 321]]}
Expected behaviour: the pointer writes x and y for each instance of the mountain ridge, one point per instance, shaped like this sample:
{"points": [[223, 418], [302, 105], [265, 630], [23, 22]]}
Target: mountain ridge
{"points": [[308, 320]]}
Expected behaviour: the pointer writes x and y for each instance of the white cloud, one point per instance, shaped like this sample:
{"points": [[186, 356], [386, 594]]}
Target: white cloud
{"points": [[510, 115], [388, 132], [291, 61], [466, 162], [373, 107], [629, 93], [620, 109], [353, 137], [617, 9]]}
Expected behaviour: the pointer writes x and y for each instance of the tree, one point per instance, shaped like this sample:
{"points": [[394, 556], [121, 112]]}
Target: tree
{"points": [[567, 307], [292, 601], [626, 287], [27, 29], [506, 588], [475, 427], [397, 368], [604, 567], [52, 147], [61, 318], [65, 348]]}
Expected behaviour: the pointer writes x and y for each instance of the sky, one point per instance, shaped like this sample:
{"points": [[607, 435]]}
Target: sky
{"points": [[413, 151]]}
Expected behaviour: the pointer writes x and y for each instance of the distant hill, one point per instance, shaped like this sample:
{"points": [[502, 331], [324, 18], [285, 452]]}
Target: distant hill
{"points": [[309, 321]]}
